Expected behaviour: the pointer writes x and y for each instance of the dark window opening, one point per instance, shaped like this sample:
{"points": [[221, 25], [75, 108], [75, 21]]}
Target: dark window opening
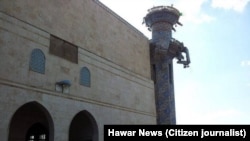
{"points": [[63, 49], [37, 132]]}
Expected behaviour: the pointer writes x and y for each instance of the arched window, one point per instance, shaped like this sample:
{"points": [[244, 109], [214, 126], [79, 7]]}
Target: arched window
{"points": [[85, 77], [37, 61]]}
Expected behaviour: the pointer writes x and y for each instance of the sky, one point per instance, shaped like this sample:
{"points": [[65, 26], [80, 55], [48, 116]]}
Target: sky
{"points": [[215, 89]]}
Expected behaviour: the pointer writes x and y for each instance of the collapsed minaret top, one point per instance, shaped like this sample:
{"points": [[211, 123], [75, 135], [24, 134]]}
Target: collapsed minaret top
{"points": [[161, 20], [166, 14]]}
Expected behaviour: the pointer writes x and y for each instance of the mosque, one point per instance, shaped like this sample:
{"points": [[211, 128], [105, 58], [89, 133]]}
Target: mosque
{"points": [[68, 67]]}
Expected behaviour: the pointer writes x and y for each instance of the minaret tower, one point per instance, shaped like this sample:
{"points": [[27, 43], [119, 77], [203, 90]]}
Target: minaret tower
{"points": [[163, 49]]}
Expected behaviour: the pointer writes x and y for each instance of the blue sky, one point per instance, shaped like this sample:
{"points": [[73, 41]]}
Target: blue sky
{"points": [[216, 87]]}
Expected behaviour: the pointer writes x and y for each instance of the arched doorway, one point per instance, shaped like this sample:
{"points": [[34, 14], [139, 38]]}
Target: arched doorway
{"points": [[31, 122], [83, 128]]}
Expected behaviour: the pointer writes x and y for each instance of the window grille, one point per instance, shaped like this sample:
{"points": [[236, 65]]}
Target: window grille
{"points": [[85, 77], [37, 61]]}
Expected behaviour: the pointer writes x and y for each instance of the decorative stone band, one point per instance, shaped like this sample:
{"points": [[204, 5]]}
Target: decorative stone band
{"points": [[161, 26]]}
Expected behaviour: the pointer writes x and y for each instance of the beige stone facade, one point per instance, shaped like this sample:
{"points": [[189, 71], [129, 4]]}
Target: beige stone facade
{"points": [[116, 54]]}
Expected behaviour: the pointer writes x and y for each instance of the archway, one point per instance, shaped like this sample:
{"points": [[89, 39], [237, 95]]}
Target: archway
{"points": [[83, 127], [31, 122]]}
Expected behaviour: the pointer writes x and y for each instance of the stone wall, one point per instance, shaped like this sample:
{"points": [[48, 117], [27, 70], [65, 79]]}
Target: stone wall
{"points": [[117, 56], [86, 23]]}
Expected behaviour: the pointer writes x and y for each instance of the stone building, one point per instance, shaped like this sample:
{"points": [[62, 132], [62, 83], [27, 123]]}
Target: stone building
{"points": [[68, 67]]}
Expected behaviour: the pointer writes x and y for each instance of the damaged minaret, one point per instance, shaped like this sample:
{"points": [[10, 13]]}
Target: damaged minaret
{"points": [[163, 48]]}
